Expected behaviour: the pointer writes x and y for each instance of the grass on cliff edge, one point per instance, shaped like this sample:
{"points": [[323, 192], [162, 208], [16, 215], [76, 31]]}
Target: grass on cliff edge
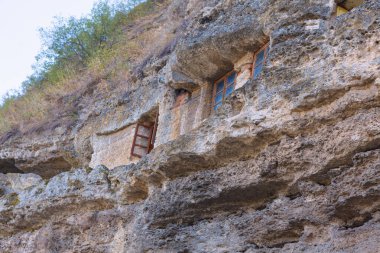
{"points": [[76, 51]]}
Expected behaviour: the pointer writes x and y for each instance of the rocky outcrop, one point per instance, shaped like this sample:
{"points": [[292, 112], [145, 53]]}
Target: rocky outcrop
{"points": [[43, 155], [289, 163]]}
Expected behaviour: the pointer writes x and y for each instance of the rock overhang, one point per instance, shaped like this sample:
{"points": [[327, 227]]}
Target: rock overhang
{"points": [[213, 47], [206, 59]]}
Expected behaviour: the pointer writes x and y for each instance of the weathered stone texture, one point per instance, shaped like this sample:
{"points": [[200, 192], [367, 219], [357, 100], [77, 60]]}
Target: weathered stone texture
{"points": [[104, 147], [289, 163]]}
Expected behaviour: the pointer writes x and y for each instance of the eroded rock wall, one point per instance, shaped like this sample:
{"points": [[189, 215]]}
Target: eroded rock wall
{"points": [[289, 163]]}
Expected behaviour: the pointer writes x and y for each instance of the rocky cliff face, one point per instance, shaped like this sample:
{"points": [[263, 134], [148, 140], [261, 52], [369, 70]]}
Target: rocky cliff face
{"points": [[289, 163]]}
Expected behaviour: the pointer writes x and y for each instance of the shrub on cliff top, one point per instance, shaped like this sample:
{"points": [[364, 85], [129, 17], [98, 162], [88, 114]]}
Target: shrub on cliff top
{"points": [[71, 47], [72, 44]]}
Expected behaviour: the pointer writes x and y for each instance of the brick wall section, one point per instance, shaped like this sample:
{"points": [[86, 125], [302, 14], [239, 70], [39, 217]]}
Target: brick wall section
{"points": [[244, 67], [176, 122], [189, 115], [206, 102]]}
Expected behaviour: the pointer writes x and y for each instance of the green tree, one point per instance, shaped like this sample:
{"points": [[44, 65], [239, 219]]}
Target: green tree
{"points": [[76, 40]]}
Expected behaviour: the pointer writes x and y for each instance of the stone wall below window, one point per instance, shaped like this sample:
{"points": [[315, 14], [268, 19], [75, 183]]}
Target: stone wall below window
{"points": [[114, 149]]}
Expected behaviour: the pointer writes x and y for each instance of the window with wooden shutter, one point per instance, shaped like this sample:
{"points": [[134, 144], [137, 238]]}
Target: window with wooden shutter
{"points": [[145, 135]]}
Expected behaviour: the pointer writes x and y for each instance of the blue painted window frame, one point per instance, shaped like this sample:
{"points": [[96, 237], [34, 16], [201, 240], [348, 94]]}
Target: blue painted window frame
{"points": [[259, 62], [223, 88], [219, 95]]}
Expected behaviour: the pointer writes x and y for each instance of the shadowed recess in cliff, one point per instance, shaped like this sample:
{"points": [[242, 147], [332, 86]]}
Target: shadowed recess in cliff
{"points": [[50, 168], [227, 200], [8, 166]]}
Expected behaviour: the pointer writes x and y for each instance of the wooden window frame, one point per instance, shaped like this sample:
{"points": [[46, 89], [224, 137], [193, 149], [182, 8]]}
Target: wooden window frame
{"points": [[266, 52], [154, 133], [150, 138], [225, 85]]}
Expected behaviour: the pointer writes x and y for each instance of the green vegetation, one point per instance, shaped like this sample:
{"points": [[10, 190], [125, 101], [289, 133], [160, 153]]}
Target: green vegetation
{"points": [[94, 45]]}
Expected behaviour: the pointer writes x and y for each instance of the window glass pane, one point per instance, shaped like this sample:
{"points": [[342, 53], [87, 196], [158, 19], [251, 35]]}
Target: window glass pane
{"points": [[258, 70], [217, 106], [260, 57], [144, 131], [220, 86], [231, 78], [142, 141], [219, 98], [229, 90], [139, 151]]}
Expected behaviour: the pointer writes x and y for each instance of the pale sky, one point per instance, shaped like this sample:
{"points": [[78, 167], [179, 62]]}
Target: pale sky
{"points": [[19, 36]]}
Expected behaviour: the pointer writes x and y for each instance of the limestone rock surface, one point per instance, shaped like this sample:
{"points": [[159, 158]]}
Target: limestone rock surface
{"points": [[289, 163]]}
